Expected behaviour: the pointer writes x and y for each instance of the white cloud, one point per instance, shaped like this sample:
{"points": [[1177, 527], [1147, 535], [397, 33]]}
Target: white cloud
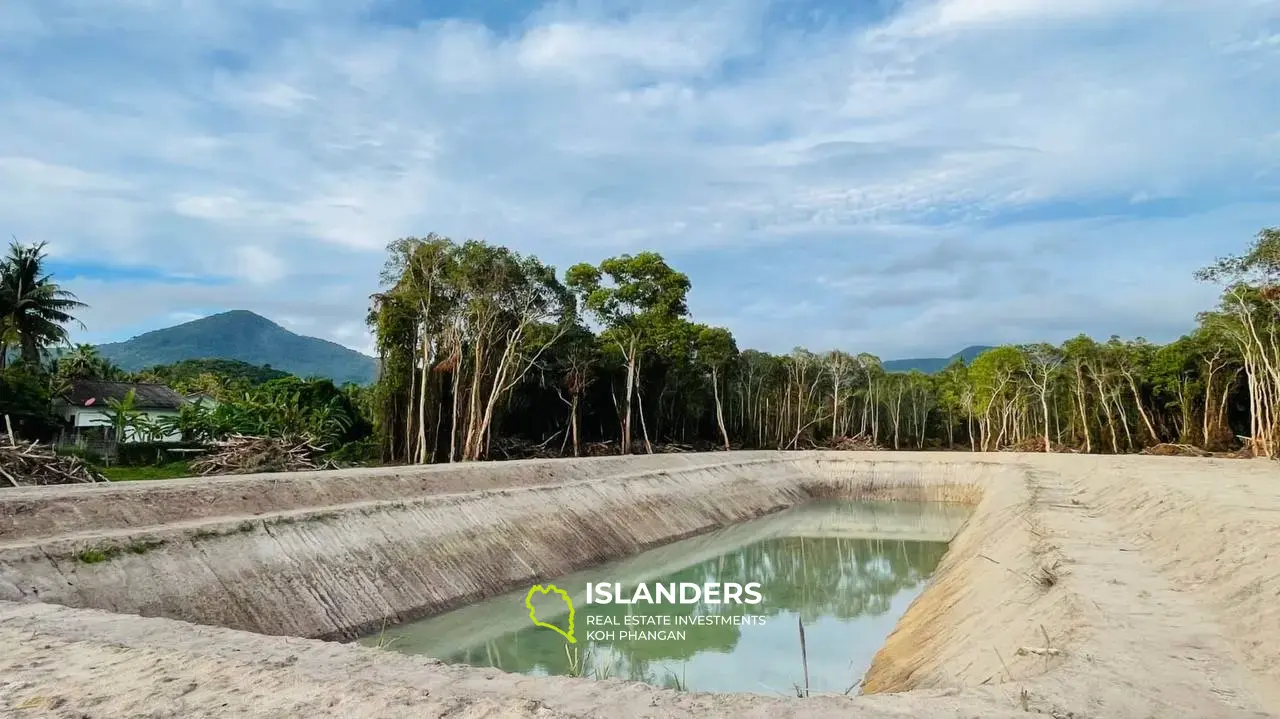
{"points": [[258, 265], [280, 141]]}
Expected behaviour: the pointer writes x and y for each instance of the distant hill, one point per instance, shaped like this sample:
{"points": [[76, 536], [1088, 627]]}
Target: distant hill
{"points": [[247, 337], [930, 365]]}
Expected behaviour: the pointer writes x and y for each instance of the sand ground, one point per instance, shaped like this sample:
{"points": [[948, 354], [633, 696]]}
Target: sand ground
{"points": [[1154, 582]]}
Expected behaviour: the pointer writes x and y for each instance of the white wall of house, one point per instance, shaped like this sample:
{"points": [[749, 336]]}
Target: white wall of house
{"points": [[89, 417]]}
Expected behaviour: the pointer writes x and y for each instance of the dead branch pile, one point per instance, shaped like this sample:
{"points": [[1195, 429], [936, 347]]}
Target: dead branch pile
{"points": [[1170, 449], [240, 454], [856, 443], [517, 448], [600, 449], [29, 464], [1035, 444]]}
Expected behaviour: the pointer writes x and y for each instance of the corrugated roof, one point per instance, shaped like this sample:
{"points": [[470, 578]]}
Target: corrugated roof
{"points": [[146, 396]]}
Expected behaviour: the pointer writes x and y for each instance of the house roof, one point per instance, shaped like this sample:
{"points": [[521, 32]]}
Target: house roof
{"points": [[146, 396]]}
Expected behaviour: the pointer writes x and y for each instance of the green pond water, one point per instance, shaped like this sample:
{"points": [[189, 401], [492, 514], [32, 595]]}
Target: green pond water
{"points": [[846, 570]]}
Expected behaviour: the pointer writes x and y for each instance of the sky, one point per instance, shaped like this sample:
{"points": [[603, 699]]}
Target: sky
{"points": [[899, 177]]}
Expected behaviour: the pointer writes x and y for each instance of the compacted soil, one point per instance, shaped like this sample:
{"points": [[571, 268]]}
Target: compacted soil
{"points": [[1081, 587]]}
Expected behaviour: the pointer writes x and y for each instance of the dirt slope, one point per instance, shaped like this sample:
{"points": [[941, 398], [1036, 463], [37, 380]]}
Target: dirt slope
{"points": [[1154, 581]]}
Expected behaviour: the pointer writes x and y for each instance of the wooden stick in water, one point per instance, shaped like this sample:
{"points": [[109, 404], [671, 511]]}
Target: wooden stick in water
{"points": [[804, 656]]}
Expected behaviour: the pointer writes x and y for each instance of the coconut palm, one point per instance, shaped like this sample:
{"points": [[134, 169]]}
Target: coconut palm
{"points": [[84, 362], [33, 309]]}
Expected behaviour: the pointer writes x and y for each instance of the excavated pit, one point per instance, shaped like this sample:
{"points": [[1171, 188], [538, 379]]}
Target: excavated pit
{"points": [[329, 570], [1041, 603], [845, 571]]}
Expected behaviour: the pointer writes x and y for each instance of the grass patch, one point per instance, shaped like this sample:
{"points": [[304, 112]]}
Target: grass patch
{"points": [[95, 555], [101, 553], [171, 470]]}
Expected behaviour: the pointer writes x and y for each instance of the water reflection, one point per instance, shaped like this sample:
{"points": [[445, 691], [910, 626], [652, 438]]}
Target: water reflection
{"points": [[848, 590]]}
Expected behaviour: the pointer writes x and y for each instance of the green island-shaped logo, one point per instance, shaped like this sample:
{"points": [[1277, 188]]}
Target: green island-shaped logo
{"points": [[528, 602]]}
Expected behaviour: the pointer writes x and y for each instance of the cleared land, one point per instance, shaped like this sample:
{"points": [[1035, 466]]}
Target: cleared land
{"points": [[1081, 587]]}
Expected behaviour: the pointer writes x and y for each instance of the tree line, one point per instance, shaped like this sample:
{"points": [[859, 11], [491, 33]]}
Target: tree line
{"points": [[479, 343]]}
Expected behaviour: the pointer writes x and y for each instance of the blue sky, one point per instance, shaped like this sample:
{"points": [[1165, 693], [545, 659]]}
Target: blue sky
{"points": [[904, 178]]}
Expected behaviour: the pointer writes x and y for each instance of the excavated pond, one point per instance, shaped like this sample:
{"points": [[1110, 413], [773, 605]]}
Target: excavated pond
{"points": [[846, 571]]}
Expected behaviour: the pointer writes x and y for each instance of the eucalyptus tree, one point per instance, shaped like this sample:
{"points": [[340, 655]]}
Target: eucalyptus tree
{"points": [[1079, 353], [998, 394], [872, 370], [1041, 366], [471, 312], [507, 299], [576, 364], [411, 321], [630, 296], [952, 386], [1249, 316], [716, 350]]}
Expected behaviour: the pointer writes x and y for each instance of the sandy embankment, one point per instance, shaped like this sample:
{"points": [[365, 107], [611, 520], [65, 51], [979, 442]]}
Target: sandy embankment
{"points": [[1152, 580]]}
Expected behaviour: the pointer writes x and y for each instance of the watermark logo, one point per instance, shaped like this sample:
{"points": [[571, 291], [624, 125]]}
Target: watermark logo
{"points": [[550, 588]]}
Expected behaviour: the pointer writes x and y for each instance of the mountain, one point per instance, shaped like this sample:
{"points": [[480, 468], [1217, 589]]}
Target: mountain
{"points": [[247, 337], [930, 365]]}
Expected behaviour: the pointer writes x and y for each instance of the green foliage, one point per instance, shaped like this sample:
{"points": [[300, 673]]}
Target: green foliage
{"points": [[24, 396], [84, 362], [355, 454], [284, 407], [34, 310], [218, 378]]}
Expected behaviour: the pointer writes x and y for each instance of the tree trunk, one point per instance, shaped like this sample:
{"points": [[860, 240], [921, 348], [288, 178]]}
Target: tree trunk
{"points": [[626, 409], [1044, 407], [644, 430], [573, 422], [422, 404], [453, 422], [409, 415], [1084, 413], [1137, 399], [715, 390]]}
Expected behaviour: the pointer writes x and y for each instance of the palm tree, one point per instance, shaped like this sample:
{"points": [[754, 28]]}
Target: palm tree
{"points": [[123, 417], [33, 309]]}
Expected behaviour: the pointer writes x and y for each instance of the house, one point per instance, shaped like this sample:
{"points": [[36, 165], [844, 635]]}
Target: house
{"points": [[85, 408]]}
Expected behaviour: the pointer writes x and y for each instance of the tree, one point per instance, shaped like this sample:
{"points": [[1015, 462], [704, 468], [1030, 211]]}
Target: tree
{"points": [[33, 309], [576, 365], [84, 362], [716, 350], [1041, 367], [123, 417], [1249, 316], [630, 296], [995, 375], [463, 363]]}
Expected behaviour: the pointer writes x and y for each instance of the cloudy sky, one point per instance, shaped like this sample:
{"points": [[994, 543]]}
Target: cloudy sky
{"points": [[902, 177]]}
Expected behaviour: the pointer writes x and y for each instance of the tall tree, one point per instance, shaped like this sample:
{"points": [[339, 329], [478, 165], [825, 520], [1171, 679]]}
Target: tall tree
{"points": [[1250, 316], [34, 310], [631, 296], [716, 350]]}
